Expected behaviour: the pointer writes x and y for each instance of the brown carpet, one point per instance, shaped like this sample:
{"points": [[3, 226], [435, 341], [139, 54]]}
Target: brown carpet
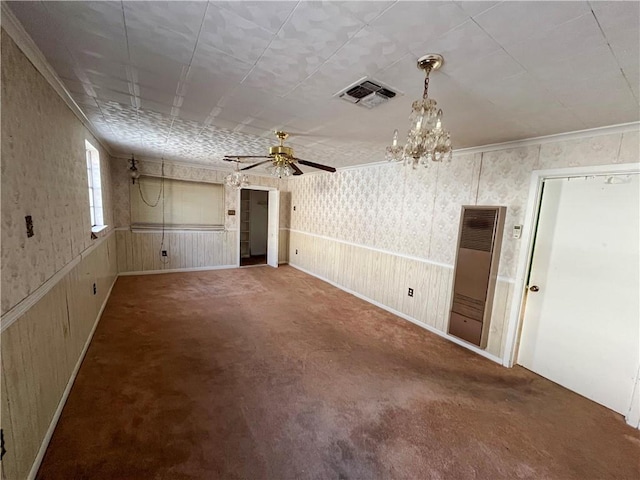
{"points": [[265, 373]]}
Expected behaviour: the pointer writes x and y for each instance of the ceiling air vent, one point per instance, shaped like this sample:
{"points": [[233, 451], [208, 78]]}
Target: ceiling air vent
{"points": [[367, 92]]}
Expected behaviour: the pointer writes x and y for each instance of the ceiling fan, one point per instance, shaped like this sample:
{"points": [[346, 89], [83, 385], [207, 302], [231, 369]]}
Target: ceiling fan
{"points": [[282, 158]]}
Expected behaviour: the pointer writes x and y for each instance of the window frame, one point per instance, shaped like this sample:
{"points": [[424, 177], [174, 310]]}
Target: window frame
{"points": [[138, 224], [94, 183]]}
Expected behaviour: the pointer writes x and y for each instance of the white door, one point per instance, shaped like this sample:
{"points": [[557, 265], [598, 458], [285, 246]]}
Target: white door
{"points": [[274, 228], [581, 326]]}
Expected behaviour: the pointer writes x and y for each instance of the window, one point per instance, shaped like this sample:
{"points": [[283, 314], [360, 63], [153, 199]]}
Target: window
{"points": [[95, 185], [178, 205]]}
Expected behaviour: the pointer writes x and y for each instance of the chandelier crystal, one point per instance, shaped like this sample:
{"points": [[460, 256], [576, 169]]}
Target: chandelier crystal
{"points": [[427, 140], [236, 179]]}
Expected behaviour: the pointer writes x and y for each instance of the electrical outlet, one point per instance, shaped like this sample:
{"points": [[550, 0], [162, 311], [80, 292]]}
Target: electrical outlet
{"points": [[294, 208], [410, 292], [95, 289], [296, 251], [164, 253]]}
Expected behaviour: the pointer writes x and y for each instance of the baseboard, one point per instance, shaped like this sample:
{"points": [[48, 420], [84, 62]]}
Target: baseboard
{"points": [[404, 316], [177, 270], [56, 416]]}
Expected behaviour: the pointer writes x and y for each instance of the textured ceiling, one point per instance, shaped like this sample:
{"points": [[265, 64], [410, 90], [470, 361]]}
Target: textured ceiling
{"points": [[193, 81]]}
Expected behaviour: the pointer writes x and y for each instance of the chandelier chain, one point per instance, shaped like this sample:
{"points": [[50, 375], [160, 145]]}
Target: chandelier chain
{"points": [[426, 83]]}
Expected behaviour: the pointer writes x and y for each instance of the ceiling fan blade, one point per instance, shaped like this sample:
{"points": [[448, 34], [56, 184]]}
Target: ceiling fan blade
{"points": [[245, 156], [296, 170], [256, 164], [315, 165]]}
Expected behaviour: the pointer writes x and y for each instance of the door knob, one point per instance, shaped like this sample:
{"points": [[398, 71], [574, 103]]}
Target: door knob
{"points": [[534, 288]]}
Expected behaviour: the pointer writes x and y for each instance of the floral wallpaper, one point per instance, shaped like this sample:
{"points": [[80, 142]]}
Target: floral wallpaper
{"points": [[417, 212], [44, 175]]}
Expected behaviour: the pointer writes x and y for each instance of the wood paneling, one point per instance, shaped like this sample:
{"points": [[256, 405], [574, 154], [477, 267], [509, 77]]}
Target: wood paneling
{"points": [[385, 278], [40, 351], [138, 252]]}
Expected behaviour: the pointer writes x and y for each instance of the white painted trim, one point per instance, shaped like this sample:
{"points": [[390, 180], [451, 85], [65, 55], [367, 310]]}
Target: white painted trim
{"points": [[431, 329], [177, 230], [633, 415], [176, 270], [526, 252], [25, 43], [30, 300], [99, 228], [135, 230], [56, 416], [258, 187], [239, 215]]}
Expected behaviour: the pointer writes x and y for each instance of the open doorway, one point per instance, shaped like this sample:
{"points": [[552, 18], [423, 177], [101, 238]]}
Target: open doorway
{"points": [[254, 225]]}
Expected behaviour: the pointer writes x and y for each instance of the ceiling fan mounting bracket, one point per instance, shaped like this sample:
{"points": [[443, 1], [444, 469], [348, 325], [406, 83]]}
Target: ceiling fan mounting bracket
{"points": [[282, 136]]}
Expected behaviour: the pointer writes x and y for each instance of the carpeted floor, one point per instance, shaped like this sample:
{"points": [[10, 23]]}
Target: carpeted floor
{"points": [[265, 373]]}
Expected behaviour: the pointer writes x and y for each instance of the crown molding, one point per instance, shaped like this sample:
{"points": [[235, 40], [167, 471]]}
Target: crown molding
{"points": [[557, 137], [25, 43]]}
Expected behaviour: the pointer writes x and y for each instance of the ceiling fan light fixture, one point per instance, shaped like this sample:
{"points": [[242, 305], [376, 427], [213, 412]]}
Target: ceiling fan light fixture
{"points": [[282, 160], [280, 170], [427, 140]]}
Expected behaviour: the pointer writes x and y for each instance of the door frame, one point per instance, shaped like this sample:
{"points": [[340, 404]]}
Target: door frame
{"points": [[239, 216], [516, 314]]}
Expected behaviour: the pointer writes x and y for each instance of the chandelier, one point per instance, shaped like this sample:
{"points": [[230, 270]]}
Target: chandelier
{"points": [[426, 140], [236, 179]]}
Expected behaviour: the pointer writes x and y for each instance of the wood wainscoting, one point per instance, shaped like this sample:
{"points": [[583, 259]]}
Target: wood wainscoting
{"points": [[384, 279], [42, 350], [140, 251]]}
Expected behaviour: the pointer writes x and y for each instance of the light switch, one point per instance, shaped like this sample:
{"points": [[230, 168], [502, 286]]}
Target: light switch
{"points": [[517, 231]]}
